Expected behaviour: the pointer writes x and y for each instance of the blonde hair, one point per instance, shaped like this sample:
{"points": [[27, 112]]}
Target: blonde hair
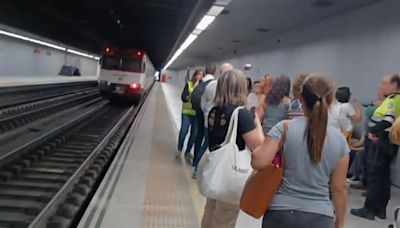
{"points": [[318, 93], [298, 85], [231, 89]]}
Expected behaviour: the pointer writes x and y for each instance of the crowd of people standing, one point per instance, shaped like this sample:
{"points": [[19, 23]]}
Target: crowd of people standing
{"points": [[320, 136]]}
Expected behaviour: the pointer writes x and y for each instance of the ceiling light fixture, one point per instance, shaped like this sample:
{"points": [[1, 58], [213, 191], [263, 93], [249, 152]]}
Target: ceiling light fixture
{"points": [[196, 32], [14, 35], [205, 22], [32, 40], [214, 11], [47, 44], [80, 53], [188, 41], [25, 38]]}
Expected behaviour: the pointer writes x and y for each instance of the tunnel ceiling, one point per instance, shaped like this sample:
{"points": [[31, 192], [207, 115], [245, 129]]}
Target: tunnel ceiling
{"points": [[152, 25], [247, 22]]}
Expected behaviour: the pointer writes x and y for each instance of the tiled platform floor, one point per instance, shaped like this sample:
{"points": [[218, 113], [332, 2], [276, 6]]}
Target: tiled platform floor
{"points": [[147, 187]]}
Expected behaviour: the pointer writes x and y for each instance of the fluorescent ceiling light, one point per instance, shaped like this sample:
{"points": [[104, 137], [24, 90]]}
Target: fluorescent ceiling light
{"points": [[32, 40], [215, 10], [14, 35], [196, 32], [188, 41], [222, 2], [10, 34], [178, 53], [203, 24], [79, 53], [47, 44], [207, 20]]}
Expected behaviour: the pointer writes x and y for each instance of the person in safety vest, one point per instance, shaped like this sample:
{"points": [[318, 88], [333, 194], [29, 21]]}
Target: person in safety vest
{"points": [[188, 116], [381, 151]]}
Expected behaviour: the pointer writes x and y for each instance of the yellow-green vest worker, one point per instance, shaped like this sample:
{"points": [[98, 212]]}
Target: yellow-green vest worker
{"points": [[385, 115], [187, 106]]}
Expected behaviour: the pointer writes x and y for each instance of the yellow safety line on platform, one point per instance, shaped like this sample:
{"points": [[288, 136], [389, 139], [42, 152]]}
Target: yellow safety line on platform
{"points": [[196, 197]]}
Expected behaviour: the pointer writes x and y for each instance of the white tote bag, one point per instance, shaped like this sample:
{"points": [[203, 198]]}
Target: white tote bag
{"points": [[222, 174]]}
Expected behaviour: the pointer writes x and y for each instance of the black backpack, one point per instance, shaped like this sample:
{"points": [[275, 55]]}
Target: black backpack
{"points": [[197, 93]]}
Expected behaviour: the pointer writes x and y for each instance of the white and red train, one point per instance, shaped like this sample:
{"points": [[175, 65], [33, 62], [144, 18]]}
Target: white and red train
{"points": [[125, 73]]}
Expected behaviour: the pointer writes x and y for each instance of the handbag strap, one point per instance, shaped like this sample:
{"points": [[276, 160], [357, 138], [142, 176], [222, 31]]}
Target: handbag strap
{"points": [[232, 128], [283, 137]]}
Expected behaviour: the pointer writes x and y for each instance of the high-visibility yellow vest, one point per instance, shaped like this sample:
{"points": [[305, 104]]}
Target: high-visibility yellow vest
{"points": [[389, 111], [187, 106]]}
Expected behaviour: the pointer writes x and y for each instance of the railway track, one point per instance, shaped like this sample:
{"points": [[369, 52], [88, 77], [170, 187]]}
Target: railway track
{"points": [[25, 95], [15, 117], [46, 182]]}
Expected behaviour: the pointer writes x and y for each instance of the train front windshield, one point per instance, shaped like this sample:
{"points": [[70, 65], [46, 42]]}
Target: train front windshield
{"points": [[122, 63]]}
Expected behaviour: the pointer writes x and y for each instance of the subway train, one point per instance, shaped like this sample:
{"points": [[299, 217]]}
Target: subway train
{"points": [[125, 74]]}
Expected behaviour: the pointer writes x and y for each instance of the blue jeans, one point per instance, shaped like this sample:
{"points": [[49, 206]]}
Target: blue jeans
{"points": [[202, 149], [298, 219], [199, 135], [187, 121]]}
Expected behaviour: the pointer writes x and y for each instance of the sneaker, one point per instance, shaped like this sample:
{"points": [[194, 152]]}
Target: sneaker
{"points": [[194, 176], [363, 213]]}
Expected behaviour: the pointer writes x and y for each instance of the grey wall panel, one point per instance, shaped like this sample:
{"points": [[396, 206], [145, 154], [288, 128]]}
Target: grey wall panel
{"points": [[20, 58], [355, 49]]}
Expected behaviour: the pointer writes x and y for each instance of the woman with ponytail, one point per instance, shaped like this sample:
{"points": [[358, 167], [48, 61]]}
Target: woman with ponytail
{"points": [[315, 164]]}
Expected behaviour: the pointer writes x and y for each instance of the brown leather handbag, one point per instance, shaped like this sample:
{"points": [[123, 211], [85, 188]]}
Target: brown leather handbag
{"points": [[263, 185]]}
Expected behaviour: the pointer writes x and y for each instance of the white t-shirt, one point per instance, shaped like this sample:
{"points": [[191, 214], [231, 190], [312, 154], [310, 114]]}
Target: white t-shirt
{"points": [[207, 99], [346, 112], [334, 116], [339, 116]]}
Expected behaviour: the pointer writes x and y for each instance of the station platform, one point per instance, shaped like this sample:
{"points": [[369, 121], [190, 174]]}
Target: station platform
{"points": [[9, 81], [146, 186]]}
